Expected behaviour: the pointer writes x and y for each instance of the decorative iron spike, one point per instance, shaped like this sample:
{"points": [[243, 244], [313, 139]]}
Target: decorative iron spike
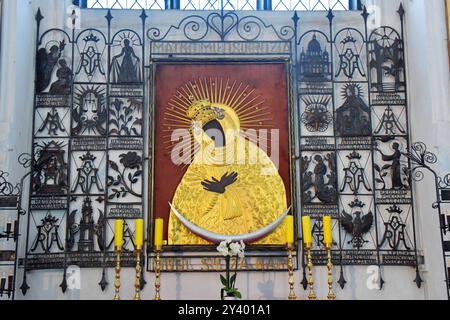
{"points": [[418, 280], [382, 282], [39, 16], [63, 284], [24, 287], [103, 283], [74, 17], [143, 282], [401, 10], [295, 18], [143, 15], [304, 281], [365, 14], [109, 16], [342, 280], [330, 15]]}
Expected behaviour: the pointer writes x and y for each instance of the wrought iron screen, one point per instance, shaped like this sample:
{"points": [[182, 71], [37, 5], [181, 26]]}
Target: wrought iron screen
{"points": [[92, 115], [88, 146], [10, 213], [353, 135]]}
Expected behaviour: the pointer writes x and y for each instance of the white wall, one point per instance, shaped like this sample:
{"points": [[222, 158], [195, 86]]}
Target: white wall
{"points": [[429, 102]]}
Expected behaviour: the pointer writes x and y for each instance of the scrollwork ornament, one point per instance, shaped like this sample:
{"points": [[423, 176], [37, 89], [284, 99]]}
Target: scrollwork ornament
{"points": [[420, 156], [7, 188], [444, 182], [190, 26], [249, 29]]}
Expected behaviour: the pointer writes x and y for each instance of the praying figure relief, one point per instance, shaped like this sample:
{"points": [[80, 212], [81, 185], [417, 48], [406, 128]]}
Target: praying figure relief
{"points": [[125, 66], [45, 64], [62, 86], [319, 183]]}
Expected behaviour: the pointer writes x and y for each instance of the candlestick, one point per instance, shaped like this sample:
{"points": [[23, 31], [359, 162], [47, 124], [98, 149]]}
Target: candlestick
{"points": [[331, 295], [159, 233], [139, 233], [307, 236], [8, 226], [327, 231], [137, 282], [312, 294], [10, 283], [2, 284], [292, 295], [118, 233], [158, 275], [290, 239], [117, 279]]}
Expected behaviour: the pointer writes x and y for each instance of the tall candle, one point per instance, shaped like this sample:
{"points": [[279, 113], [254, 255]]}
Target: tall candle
{"points": [[3, 283], [306, 224], [118, 234], [8, 226], [159, 231], [139, 233], [290, 230], [327, 231], [11, 281]]}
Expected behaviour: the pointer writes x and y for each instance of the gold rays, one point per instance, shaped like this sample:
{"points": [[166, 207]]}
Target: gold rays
{"points": [[250, 107]]}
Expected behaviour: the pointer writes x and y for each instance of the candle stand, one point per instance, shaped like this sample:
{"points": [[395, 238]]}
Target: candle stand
{"points": [[117, 278], [312, 294], [290, 265], [331, 295], [158, 274], [137, 282]]}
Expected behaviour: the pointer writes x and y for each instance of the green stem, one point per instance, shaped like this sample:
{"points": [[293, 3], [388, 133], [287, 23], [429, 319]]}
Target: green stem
{"points": [[228, 271], [235, 272]]}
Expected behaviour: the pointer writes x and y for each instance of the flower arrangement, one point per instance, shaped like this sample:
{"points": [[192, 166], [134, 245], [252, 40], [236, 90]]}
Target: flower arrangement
{"points": [[231, 249]]}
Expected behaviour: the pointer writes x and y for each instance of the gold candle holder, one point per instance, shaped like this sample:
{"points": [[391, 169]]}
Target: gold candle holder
{"points": [[331, 295], [117, 279], [312, 294], [137, 282], [158, 274], [290, 265]]}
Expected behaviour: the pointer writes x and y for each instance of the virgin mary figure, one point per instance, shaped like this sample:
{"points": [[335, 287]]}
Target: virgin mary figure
{"points": [[128, 69], [231, 187]]}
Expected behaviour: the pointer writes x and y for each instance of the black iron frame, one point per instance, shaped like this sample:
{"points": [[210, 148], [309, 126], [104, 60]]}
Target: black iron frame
{"points": [[421, 160], [104, 258], [11, 200], [247, 29], [215, 27], [319, 255]]}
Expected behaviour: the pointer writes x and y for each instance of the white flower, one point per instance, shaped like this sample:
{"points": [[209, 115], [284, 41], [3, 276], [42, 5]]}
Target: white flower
{"points": [[235, 249], [241, 254], [223, 248]]}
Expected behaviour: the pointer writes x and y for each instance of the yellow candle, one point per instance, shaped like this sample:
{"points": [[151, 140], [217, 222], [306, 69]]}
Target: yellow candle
{"points": [[118, 234], [327, 231], [307, 236], [139, 233], [159, 231], [290, 229]]}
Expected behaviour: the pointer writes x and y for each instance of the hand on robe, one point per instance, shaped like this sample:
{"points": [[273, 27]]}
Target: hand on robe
{"points": [[220, 186]]}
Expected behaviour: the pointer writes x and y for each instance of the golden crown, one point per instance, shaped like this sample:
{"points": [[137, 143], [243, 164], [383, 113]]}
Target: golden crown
{"points": [[201, 110]]}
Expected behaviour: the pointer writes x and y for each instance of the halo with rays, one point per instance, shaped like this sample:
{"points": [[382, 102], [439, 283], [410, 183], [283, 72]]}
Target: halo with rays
{"points": [[250, 107], [127, 35]]}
